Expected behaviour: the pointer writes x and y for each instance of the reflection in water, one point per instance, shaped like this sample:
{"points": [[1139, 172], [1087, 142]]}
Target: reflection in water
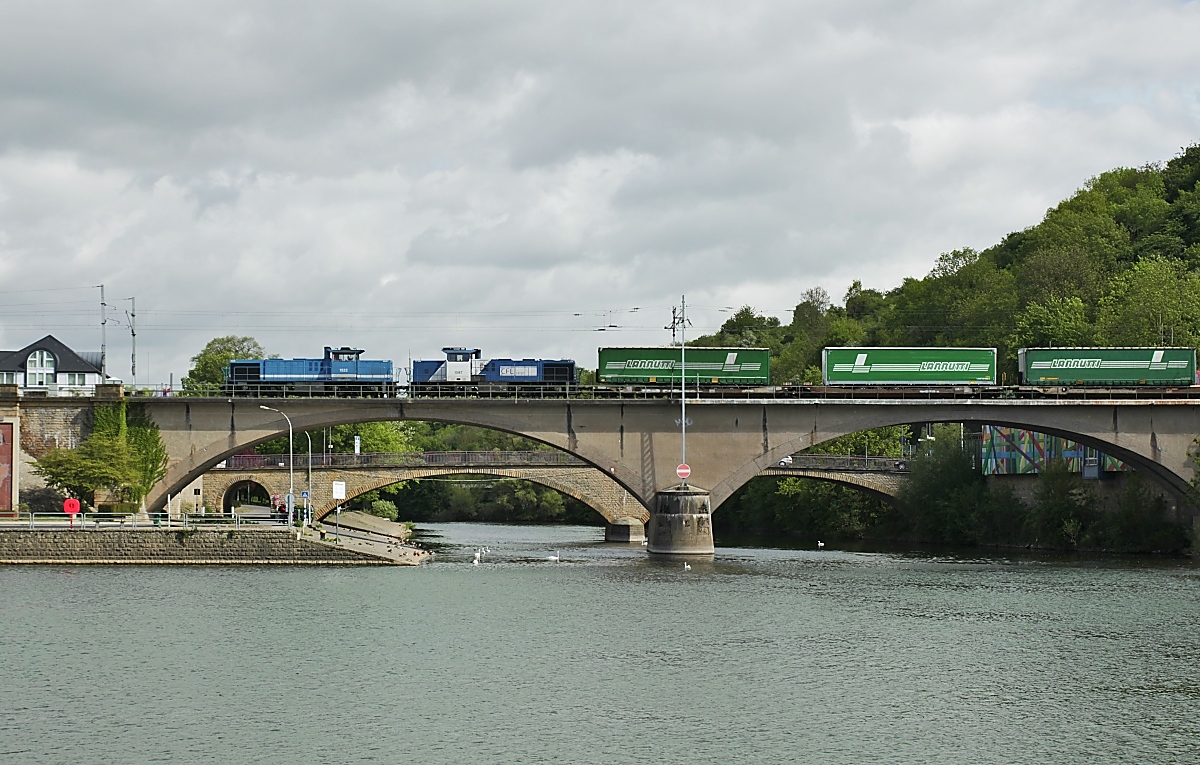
{"points": [[610, 656]]}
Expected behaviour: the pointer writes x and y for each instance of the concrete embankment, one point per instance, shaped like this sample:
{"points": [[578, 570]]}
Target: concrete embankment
{"points": [[192, 547]]}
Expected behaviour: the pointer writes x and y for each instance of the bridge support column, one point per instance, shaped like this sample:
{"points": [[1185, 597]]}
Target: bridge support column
{"points": [[625, 530], [681, 522]]}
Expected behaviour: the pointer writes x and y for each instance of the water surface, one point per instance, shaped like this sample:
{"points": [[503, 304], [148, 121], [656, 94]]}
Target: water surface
{"points": [[608, 656]]}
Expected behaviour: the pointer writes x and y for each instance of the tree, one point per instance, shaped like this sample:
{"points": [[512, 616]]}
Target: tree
{"points": [[374, 438], [1058, 321], [1156, 302], [124, 455], [208, 370]]}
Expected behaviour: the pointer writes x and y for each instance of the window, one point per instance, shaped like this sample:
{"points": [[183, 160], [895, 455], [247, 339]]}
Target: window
{"points": [[8, 378], [76, 378], [39, 369]]}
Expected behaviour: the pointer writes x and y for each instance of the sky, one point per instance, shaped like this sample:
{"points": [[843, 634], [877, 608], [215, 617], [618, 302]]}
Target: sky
{"points": [[538, 178]]}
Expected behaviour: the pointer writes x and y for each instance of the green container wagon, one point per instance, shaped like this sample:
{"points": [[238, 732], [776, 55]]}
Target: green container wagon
{"points": [[1107, 366], [649, 366], [909, 366]]}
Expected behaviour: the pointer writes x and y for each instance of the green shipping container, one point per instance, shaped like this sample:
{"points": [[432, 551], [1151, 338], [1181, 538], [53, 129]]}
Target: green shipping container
{"points": [[744, 366], [1107, 366], [909, 366]]}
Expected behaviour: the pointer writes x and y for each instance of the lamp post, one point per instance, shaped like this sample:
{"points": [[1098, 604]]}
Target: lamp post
{"points": [[291, 462], [307, 517]]}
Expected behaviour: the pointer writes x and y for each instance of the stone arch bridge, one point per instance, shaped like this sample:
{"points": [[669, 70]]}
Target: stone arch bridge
{"points": [[637, 441], [624, 515]]}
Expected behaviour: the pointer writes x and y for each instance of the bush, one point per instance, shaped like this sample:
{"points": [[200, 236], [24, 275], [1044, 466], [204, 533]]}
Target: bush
{"points": [[1139, 523], [383, 508]]}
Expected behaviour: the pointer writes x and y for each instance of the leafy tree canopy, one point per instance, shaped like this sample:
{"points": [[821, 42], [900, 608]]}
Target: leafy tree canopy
{"points": [[209, 364]]}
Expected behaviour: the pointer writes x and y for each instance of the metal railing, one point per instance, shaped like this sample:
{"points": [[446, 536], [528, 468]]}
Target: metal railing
{"points": [[401, 459], [842, 462], [1066, 394], [19, 519]]}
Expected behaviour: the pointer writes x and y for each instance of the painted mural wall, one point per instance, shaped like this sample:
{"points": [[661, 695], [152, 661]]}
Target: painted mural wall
{"points": [[1013, 451]]}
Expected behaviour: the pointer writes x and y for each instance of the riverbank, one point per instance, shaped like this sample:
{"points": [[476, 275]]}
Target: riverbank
{"points": [[244, 546]]}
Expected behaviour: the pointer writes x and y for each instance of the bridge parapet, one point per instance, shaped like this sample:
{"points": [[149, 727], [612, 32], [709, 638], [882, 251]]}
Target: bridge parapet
{"points": [[844, 464], [540, 458]]}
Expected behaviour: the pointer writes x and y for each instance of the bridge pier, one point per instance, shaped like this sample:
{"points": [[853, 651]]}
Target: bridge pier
{"points": [[681, 522], [625, 530]]}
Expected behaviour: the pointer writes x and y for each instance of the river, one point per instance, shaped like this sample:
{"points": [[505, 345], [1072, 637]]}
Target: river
{"points": [[608, 656]]}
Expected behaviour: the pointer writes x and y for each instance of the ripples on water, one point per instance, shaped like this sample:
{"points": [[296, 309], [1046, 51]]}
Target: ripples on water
{"points": [[758, 655]]}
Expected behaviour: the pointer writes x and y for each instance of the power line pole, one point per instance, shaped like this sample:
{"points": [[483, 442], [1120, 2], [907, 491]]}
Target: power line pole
{"points": [[679, 322], [103, 337], [131, 315]]}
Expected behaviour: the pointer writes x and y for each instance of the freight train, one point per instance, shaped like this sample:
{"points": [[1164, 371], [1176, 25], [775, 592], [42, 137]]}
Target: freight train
{"points": [[657, 371]]}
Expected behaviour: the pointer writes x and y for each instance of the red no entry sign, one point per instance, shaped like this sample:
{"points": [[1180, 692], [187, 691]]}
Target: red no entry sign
{"points": [[683, 471]]}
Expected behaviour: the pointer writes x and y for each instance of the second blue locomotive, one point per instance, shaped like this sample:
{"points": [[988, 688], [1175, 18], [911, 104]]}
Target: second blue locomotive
{"points": [[465, 369]]}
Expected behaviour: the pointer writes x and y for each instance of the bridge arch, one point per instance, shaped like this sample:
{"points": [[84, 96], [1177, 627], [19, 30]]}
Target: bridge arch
{"points": [[1172, 480], [881, 486], [314, 414], [584, 484], [253, 489]]}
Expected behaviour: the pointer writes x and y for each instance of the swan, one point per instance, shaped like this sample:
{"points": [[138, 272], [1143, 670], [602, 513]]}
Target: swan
{"points": [[687, 566], [553, 558], [820, 544]]}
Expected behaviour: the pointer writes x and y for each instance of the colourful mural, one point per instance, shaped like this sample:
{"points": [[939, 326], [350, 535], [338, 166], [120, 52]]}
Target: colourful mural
{"points": [[6, 467], [1012, 451]]}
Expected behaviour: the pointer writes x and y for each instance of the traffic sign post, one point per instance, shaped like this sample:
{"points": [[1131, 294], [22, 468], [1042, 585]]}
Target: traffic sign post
{"points": [[683, 471], [71, 508]]}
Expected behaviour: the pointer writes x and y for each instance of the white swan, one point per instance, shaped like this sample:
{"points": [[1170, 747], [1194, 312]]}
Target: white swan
{"points": [[553, 558], [687, 566], [820, 544]]}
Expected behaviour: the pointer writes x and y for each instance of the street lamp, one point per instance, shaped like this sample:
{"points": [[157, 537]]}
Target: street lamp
{"points": [[291, 462], [307, 512]]}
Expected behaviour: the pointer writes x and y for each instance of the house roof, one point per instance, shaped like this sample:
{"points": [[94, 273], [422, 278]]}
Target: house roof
{"points": [[66, 360]]}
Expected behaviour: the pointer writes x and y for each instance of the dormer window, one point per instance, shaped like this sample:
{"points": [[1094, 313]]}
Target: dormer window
{"points": [[39, 369]]}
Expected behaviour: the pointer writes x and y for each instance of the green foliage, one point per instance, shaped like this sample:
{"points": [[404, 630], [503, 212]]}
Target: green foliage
{"points": [[208, 366], [383, 508], [880, 442], [1138, 524], [124, 455], [946, 499], [797, 507], [1063, 511], [473, 499], [375, 438], [1157, 301]]}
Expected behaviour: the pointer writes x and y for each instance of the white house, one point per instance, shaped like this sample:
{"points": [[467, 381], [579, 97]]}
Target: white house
{"points": [[49, 368]]}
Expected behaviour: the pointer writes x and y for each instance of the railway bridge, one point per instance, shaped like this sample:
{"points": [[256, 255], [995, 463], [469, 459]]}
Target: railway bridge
{"points": [[637, 441]]}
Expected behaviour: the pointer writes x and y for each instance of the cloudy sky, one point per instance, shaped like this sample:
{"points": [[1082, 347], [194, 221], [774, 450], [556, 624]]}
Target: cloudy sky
{"points": [[514, 175]]}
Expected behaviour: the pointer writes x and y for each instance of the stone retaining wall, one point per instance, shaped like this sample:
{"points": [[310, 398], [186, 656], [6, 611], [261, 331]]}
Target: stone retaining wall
{"points": [[165, 546]]}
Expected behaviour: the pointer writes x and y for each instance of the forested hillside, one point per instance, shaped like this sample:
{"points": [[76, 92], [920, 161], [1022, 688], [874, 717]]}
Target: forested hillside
{"points": [[1116, 264]]}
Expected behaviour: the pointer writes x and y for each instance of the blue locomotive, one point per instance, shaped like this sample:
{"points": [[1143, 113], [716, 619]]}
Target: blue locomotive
{"points": [[465, 370], [343, 372]]}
